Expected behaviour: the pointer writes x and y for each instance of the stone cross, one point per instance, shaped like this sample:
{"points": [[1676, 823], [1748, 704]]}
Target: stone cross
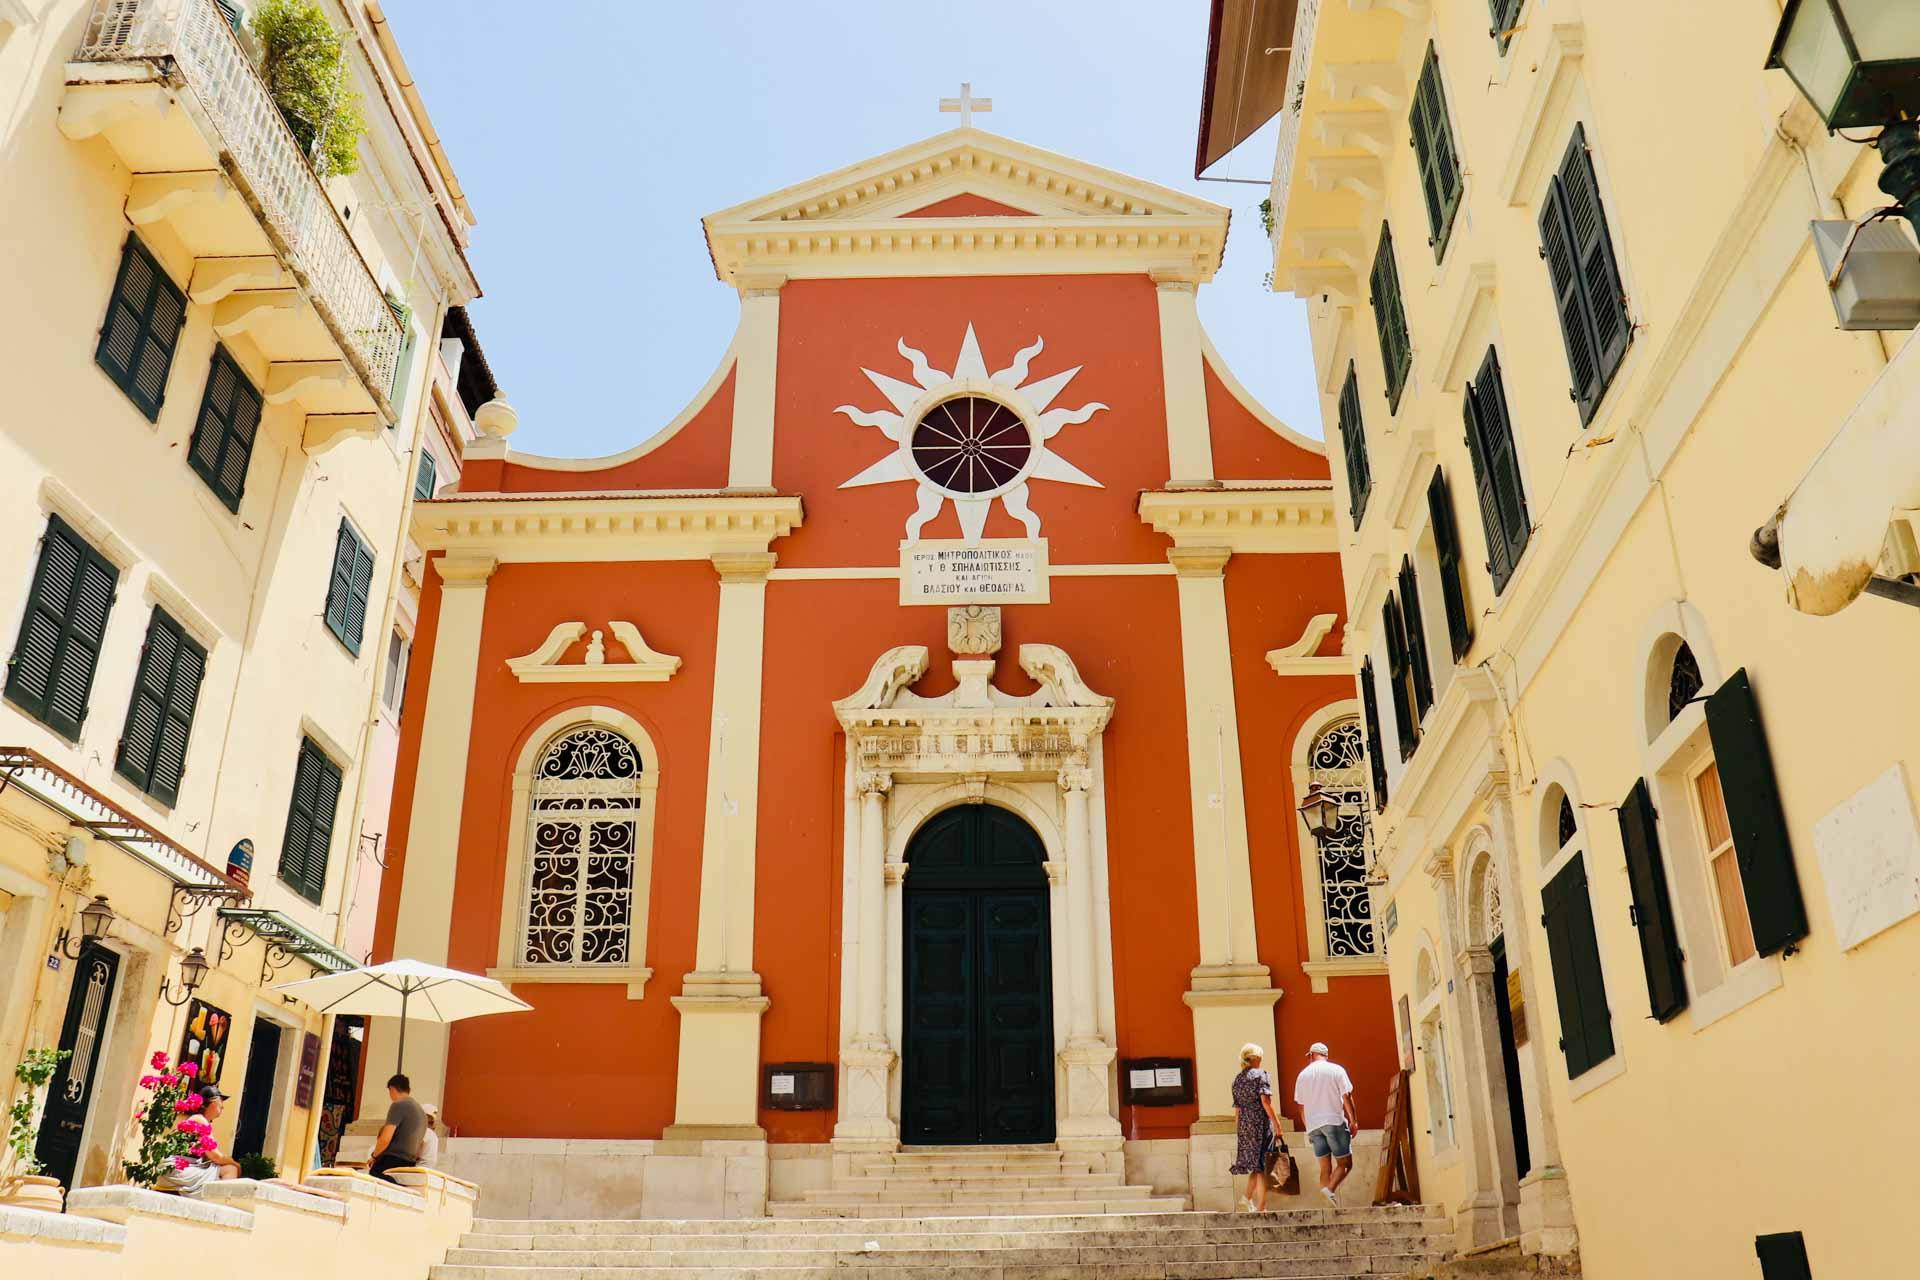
{"points": [[966, 104]]}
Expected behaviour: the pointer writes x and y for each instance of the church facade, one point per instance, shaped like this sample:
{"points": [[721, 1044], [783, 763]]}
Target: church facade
{"points": [[902, 745]]}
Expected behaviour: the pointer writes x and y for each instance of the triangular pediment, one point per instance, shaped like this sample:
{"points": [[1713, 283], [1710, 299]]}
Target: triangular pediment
{"points": [[965, 191]]}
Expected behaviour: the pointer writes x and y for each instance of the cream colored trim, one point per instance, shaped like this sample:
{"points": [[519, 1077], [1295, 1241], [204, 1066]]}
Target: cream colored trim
{"points": [[1183, 379], [57, 499], [1244, 520], [1552, 87], [1472, 309], [581, 528], [1221, 370], [1405, 491], [707, 391], [158, 590], [891, 572], [1303, 657], [543, 665], [1319, 971], [728, 838], [756, 359]]}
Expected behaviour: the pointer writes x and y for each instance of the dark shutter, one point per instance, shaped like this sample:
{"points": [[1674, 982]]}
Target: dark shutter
{"points": [[1376, 757], [1783, 1256], [350, 588], [1390, 318], [1586, 277], [223, 434], [1652, 906], [153, 747], [1353, 444], [1759, 826], [1496, 471], [1453, 582], [142, 325], [51, 672], [1405, 722], [1506, 16], [316, 794], [1432, 134], [1580, 989], [425, 478], [1419, 665]]}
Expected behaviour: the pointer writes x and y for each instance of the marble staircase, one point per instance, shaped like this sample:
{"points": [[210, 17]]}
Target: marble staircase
{"points": [[932, 1182]]}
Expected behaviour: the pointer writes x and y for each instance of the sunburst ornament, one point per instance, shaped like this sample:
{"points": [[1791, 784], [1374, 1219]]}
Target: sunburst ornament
{"points": [[971, 437]]}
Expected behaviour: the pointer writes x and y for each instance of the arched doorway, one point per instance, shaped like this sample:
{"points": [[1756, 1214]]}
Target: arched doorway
{"points": [[978, 1029]]}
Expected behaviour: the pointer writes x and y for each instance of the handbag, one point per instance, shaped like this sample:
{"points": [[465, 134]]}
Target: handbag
{"points": [[1281, 1171]]}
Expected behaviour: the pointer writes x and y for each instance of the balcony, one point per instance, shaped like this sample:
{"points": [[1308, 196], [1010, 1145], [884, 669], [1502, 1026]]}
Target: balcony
{"points": [[169, 86]]}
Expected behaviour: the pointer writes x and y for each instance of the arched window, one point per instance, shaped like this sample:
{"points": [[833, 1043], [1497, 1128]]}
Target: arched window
{"points": [[1569, 827], [585, 806], [1683, 680], [1338, 764]]}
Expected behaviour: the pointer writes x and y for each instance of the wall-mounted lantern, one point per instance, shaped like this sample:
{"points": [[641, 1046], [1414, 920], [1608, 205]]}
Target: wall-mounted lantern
{"points": [[95, 919]]}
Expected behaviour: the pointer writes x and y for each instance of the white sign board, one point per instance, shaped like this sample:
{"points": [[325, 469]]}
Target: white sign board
{"points": [[1869, 850], [781, 1085], [1166, 1077], [1138, 1079], [991, 571]]}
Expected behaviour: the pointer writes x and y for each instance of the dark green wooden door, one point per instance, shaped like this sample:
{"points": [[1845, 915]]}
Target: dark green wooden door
{"points": [[70, 1092], [979, 1001]]}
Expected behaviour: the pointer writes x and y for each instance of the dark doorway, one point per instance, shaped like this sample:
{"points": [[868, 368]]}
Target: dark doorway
{"points": [[979, 994], [256, 1093], [1510, 1060], [340, 1102], [70, 1093]]}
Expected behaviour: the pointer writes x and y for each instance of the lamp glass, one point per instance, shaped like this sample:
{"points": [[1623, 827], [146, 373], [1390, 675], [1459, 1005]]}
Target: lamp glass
{"points": [[1814, 51], [1885, 30], [193, 969], [95, 919]]}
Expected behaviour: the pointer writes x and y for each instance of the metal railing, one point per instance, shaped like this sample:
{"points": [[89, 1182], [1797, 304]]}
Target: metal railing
{"points": [[1300, 57], [194, 34]]}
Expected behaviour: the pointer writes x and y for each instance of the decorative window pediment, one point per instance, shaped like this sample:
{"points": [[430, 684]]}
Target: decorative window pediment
{"points": [[546, 665]]}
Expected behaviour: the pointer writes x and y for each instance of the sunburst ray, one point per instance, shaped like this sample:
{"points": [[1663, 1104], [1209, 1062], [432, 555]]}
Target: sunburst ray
{"points": [[970, 365], [1042, 393], [902, 395], [923, 373], [1016, 373], [1051, 466], [895, 466]]}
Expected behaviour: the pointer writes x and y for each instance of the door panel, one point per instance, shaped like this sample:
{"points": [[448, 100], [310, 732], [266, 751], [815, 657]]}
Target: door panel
{"points": [[256, 1094], [70, 1094], [939, 1070]]}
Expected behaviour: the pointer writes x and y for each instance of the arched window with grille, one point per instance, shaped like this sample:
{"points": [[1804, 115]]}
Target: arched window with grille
{"points": [[1338, 764]]}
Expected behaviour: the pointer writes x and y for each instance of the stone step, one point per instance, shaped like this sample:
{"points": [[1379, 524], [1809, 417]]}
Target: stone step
{"points": [[885, 1210], [984, 1179], [983, 1168], [1324, 1268], [973, 1155], [962, 1250], [1168, 1220], [949, 1193], [853, 1236]]}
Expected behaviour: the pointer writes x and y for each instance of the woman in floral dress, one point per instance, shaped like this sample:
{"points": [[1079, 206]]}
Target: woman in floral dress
{"points": [[1253, 1102]]}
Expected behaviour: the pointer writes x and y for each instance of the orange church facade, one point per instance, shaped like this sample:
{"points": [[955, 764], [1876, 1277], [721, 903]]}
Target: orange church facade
{"points": [[903, 744]]}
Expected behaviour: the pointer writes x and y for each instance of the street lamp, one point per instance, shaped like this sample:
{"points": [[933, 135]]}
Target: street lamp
{"points": [[95, 919], [193, 972], [1321, 811], [1858, 62]]}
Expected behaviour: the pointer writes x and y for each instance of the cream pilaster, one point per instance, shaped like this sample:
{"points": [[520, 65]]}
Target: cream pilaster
{"points": [[756, 353], [1182, 360], [867, 1059], [716, 1090], [1088, 1056]]}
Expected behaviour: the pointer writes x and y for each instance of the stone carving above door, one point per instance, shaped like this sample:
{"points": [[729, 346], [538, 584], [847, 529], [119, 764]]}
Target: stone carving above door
{"points": [[545, 666]]}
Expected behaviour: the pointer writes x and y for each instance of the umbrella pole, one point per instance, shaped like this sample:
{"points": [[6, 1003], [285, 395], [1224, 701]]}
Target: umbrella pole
{"points": [[400, 1059]]}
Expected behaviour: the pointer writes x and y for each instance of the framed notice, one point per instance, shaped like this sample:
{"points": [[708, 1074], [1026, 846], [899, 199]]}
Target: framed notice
{"points": [[205, 1039], [990, 571], [309, 1068]]}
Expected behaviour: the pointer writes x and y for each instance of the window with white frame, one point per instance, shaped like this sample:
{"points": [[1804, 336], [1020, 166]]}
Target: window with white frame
{"points": [[1723, 865], [585, 807], [1338, 764], [1433, 1050], [395, 689]]}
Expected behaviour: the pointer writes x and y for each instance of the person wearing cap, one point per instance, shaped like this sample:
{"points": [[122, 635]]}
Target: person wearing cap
{"points": [[1325, 1095], [200, 1171], [429, 1137], [1257, 1123]]}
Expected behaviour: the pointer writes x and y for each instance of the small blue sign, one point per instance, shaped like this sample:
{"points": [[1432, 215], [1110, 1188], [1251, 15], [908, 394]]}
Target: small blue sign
{"points": [[53, 963]]}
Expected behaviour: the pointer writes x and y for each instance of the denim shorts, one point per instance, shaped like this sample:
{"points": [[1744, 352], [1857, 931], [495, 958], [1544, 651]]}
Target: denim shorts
{"points": [[1331, 1140]]}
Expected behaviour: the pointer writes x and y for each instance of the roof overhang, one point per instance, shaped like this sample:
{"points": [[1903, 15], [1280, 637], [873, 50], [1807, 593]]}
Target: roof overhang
{"points": [[604, 526], [1245, 85]]}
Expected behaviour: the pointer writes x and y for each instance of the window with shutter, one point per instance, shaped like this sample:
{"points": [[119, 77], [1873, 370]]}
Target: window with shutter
{"points": [[1587, 290], [142, 326], [1390, 318], [1353, 446], [1376, 757], [316, 795], [1398, 677], [1440, 178], [350, 588], [1783, 1256], [1419, 665], [1453, 581], [1496, 471], [1653, 916], [1775, 909], [223, 434], [50, 675], [1506, 16], [396, 683], [1580, 989], [153, 746], [426, 477]]}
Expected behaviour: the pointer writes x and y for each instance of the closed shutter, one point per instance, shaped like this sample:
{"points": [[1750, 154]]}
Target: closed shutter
{"points": [[153, 746], [1506, 15], [1405, 722], [1376, 757], [1390, 318], [50, 675], [142, 325], [425, 478], [350, 588], [1759, 826], [1419, 665], [316, 794], [1586, 277], [1783, 1256], [1353, 445], [1580, 989], [1496, 470], [223, 434], [1453, 584], [1432, 134], [1652, 905]]}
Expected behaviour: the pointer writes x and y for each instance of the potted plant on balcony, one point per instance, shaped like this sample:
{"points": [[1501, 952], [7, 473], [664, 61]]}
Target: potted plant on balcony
{"points": [[303, 61], [21, 1185]]}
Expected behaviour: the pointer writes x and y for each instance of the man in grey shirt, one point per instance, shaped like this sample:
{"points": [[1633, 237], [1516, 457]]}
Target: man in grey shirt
{"points": [[398, 1146]]}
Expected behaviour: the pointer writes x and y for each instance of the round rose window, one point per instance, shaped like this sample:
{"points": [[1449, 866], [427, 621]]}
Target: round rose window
{"points": [[971, 445]]}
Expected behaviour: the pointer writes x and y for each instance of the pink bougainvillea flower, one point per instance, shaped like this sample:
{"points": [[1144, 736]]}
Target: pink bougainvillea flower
{"points": [[181, 1162], [189, 1068], [149, 1082], [159, 1060]]}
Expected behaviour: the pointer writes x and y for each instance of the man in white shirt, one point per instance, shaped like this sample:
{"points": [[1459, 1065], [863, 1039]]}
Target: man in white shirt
{"points": [[1325, 1095]]}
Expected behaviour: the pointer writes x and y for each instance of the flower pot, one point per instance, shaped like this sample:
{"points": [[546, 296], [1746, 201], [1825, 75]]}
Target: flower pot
{"points": [[30, 1191]]}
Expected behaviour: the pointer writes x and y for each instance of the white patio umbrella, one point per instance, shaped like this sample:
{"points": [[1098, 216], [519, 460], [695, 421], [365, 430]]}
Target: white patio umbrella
{"points": [[403, 989]]}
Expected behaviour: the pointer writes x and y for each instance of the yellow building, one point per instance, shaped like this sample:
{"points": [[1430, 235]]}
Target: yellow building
{"points": [[218, 371], [1646, 861]]}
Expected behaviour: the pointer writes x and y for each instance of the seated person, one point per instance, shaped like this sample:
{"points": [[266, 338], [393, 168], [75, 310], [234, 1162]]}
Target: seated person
{"points": [[398, 1146], [201, 1170], [430, 1140]]}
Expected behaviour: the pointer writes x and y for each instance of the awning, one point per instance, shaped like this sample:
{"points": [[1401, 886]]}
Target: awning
{"points": [[1245, 86], [1830, 531], [281, 931]]}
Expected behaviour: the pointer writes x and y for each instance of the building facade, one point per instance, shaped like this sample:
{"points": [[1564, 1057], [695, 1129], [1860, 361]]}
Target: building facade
{"points": [[1646, 844], [886, 750], [218, 368]]}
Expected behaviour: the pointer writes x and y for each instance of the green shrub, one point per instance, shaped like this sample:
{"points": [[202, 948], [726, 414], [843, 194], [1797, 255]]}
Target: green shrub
{"points": [[302, 59], [258, 1167]]}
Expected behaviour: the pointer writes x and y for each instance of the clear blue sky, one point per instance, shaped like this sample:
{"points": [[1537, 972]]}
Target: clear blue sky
{"points": [[592, 135]]}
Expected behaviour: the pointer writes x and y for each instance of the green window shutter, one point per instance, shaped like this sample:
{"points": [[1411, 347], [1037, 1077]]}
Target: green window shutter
{"points": [[1353, 444], [1783, 1256], [310, 815], [1419, 666], [142, 325], [223, 434], [425, 478], [1506, 16], [1453, 585], [1406, 723], [1586, 277], [1580, 989], [153, 746], [1376, 758], [350, 588], [1652, 906], [1390, 318], [1496, 471], [1440, 178], [1759, 826], [51, 673]]}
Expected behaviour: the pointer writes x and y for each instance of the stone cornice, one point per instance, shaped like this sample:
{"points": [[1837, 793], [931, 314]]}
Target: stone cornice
{"points": [[527, 528], [1273, 521]]}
